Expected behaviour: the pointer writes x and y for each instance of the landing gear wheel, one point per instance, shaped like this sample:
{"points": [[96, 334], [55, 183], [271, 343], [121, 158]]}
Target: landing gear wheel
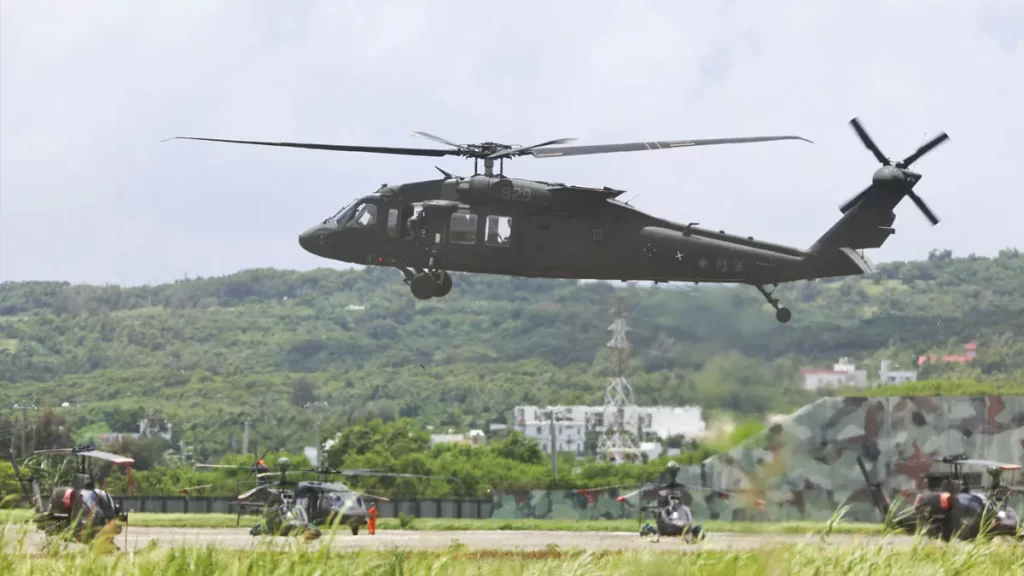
{"points": [[423, 286], [355, 529], [443, 280], [783, 315]]}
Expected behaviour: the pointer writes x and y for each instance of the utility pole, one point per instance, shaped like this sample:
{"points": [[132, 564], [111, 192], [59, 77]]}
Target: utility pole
{"points": [[318, 408], [554, 444], [24, 424], [245, 438]]}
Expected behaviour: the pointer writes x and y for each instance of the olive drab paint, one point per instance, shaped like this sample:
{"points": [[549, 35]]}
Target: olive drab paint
{"points": [[429, 229]]}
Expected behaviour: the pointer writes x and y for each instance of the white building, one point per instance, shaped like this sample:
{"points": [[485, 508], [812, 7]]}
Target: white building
{"points": [[886, 375], [473, 438], [573, 422], [843, 373]]}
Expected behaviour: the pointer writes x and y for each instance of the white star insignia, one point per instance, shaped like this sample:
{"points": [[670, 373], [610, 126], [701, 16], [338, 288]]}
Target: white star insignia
{"points": [[679, 256]]}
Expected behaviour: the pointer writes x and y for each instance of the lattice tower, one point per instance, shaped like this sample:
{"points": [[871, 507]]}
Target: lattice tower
{"points": [[621, 417]]}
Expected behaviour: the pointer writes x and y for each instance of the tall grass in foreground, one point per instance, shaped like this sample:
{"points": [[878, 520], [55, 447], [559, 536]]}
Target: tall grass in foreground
{"points": [[294, 557], [214, 520], [990, 559]]}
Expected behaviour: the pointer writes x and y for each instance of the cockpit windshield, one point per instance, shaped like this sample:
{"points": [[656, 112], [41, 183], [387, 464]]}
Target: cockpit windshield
{"points": [[344, 213], [359, 214]]}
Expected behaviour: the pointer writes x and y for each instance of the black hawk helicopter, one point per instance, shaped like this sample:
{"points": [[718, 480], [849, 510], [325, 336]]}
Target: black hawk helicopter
{"points": [[80, 510], [493, 224], [300, 507], [949, 507], [672, 511]]}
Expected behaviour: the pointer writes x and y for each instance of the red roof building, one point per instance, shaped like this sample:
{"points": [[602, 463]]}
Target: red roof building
{"points": [[971, 350]]}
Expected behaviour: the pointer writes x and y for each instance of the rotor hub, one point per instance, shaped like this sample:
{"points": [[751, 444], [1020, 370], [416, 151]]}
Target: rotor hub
{"points": [[888, 174]]}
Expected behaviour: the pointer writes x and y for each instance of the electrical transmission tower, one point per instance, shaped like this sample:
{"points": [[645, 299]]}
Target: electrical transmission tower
{"points": [[621, 417]]}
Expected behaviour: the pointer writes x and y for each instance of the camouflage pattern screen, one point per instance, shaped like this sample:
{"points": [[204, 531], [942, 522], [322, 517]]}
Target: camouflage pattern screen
{"points": [[805, 466]]}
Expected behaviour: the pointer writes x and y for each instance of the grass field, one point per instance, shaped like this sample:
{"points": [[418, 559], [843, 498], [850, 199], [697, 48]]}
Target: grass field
{"points": [[293, 557], [156, 520], [927, 559]]}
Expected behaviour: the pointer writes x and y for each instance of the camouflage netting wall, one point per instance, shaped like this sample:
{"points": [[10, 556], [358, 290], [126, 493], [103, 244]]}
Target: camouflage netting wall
{"points": [[805, 467]]}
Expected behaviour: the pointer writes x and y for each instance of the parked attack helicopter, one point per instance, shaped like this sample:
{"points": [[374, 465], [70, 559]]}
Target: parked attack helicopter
{"points": [[493, 224], [81, 510], [672, 511], [948, 507], [299, 508]]}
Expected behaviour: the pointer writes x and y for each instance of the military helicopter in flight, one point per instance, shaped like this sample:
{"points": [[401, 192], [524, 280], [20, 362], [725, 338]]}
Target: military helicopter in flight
{"points": [[949, 507], [672, 510], [80, 510], [493, 224]]}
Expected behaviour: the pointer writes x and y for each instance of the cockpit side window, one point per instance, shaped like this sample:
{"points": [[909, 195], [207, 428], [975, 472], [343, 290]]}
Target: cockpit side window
{"points": [[365, 217]]}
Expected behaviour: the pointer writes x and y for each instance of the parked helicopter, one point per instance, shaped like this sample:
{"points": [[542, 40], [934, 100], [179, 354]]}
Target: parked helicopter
{"points": [[291, 507], [492, 224], [949, 507], [672, 511], [81, 510]]}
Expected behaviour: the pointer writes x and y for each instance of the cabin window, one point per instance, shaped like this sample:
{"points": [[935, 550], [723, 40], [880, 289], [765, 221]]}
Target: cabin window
{"points": [[393, 222], [407, 214], [463, 228], [598, 235], [499, 228]]}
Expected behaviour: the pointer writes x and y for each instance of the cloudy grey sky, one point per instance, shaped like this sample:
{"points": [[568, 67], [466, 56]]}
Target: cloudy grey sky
{"points": [[89, 193]]}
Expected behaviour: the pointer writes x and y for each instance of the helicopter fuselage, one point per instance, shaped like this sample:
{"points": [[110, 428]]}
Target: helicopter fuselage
{"points": [[499, 225]]}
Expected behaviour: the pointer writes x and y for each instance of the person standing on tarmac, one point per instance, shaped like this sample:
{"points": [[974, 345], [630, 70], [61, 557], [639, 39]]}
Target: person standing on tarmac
{"points": [[371, 515]]}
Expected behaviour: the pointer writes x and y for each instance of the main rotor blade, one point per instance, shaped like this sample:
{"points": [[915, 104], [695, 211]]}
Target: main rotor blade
{"points": [[109, 457], [394, 475], [869, 142], [1001, 465], [437, 139], [528, 149], [924, 208], [231, 466], [246, 495], [655, 145], [333, 147], [942, 137]]}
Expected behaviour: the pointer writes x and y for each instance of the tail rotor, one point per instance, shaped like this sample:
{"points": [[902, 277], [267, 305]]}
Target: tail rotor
{"points": [[897, 173]]}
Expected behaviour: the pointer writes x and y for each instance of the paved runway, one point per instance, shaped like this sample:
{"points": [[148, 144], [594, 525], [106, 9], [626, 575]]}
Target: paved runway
{"points": [[239, 538]]}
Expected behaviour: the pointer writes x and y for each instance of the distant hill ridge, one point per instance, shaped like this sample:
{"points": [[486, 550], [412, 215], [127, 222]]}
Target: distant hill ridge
{"points": [[205, 352]]}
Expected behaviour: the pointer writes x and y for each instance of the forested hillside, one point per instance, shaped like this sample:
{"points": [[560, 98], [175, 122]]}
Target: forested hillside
{"points": [[205, 353]]}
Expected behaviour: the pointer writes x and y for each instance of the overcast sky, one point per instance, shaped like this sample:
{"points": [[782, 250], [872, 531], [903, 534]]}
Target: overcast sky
{"points": [[88, 193]]}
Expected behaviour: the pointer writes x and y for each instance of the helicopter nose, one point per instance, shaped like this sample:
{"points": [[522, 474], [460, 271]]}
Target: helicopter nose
{"points": [[310, 240]]}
